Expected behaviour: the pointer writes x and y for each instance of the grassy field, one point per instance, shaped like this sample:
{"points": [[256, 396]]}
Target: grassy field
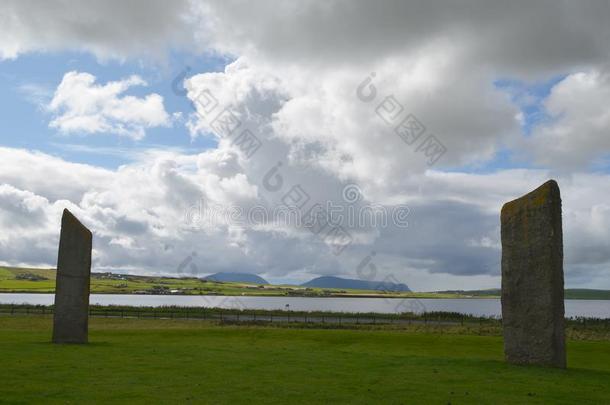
{"points": [[163, 361]]}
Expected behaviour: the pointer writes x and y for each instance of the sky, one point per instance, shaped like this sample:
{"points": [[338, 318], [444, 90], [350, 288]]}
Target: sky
{"points": [[369, 140]]}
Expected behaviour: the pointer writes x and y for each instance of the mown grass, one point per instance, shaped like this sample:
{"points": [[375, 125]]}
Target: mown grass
{"points": [[165, 361]]}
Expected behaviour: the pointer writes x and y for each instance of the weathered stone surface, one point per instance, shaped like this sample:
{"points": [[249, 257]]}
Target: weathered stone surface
{"points": [[532, 278], [71, 319]]}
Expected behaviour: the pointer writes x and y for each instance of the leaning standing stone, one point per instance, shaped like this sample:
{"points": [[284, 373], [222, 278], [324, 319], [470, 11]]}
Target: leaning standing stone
{"points": [[532, 278], [71, 318]]}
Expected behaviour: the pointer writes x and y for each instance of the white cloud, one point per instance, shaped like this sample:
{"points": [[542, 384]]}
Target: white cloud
{"points": [[578, 133], [293, 83], [315, 120], [138, 214], [49, 176], [82, 106]]}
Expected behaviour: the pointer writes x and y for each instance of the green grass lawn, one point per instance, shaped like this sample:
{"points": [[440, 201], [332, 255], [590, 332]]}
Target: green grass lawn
{"points": [[156, 361]]}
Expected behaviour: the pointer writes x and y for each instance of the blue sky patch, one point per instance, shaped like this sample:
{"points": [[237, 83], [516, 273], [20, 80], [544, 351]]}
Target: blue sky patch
{"points": [[27, 85], [529, 97]]}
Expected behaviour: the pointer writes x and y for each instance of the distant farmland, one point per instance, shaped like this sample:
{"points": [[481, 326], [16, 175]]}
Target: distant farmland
{"points": [[26, 280]]}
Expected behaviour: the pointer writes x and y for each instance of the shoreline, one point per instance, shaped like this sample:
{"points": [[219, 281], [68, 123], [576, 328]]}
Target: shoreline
{"points": [[393, 297]]}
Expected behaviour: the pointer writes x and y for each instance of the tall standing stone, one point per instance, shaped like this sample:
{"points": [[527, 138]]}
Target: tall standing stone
{"points": [[71, 318], [532, 278]]}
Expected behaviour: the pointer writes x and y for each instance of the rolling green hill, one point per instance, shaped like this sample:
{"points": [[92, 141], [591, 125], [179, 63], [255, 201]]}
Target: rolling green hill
{"points": [[338, 282], [14, 280], [26, 280]]}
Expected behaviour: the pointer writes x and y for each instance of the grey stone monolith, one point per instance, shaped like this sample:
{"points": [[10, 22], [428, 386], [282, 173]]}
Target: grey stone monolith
{"points": [[532, 278], [71, 318]]}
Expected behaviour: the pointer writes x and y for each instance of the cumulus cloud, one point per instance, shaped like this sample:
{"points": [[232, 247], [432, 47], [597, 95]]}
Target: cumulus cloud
{"points": [[81, 105], [576, 134], [49, 176], [316, 120], [139, 216], [294, 85], [324, 127], [438, 60]]}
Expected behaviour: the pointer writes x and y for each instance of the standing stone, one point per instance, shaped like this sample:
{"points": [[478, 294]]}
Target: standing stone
{"points": [[71, 318], [532, 278]]}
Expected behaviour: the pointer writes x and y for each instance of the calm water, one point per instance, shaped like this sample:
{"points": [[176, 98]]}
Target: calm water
{"points": [[481, 307]]}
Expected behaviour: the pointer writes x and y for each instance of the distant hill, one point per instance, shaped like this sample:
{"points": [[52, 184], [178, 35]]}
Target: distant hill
{"points": [[237, 278], [586, 294], [346, 283], [20, 280]]}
